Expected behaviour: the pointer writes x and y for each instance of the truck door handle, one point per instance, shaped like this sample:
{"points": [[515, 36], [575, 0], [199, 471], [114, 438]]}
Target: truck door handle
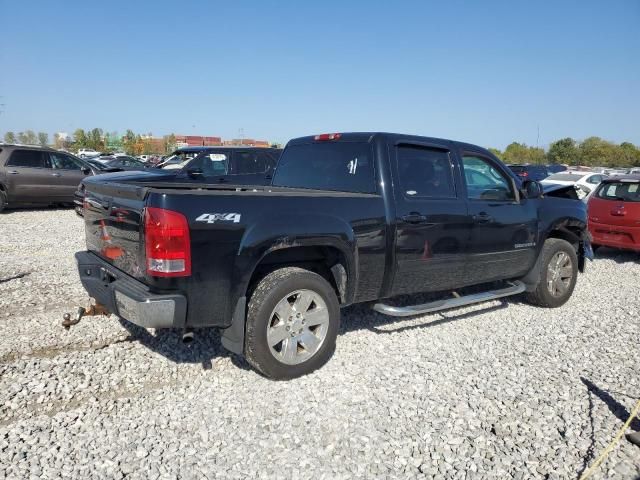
{"points": [[482, 217], [414, 217], [13, 172]]}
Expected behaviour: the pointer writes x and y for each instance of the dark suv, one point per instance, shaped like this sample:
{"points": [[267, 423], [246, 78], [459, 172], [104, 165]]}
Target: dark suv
{"points": [[530, 172], [32, 175]]}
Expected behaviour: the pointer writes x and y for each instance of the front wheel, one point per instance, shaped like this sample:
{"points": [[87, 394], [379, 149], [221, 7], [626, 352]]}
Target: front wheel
{"points": [[292, 323], [558, 274]]}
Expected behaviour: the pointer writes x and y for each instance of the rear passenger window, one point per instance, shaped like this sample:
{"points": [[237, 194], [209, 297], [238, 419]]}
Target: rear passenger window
{"points": [[425, 172], [249, 162], [27, 158]]}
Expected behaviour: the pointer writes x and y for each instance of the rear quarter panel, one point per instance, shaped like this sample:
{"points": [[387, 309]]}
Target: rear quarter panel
{"points": [[226, 249]]}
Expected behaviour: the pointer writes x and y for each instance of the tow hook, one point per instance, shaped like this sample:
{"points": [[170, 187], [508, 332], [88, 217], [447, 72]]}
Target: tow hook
{"points": [[92, 310]]}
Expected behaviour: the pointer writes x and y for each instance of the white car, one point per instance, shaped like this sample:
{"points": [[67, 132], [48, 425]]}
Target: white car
{"points": [[87, 153], [617, 173], [585, 182]]}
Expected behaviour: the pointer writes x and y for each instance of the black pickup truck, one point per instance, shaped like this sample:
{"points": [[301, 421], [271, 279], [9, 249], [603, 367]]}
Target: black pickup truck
{"points": [[349, 218]]}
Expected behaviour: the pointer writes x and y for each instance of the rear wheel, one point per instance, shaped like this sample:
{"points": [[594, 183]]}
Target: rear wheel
{"points": [[558, 274], [292, 323]]}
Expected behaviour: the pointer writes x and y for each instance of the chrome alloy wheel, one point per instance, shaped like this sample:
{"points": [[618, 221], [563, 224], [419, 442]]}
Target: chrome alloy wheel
{"points": [[297, 327], [559, 274]]}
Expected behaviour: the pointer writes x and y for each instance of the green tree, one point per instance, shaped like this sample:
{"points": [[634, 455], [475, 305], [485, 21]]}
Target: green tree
{"points": [[79, 139], [129, 142], [28, 138], [496, 152], [630, 154], [521, 153], [563, 151], [10, 137], [169, 143], [594, 151], [94, 139], [43, 139]]}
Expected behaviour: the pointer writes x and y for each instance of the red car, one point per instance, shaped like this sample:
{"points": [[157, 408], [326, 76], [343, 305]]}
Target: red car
{"points": [[614, 213]]}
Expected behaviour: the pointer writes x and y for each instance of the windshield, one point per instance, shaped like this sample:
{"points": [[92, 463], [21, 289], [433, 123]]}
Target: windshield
{"points": [[517, 168], [341, 166], [96, 164], [179, 157], [565, 177], [621, 191], [211, 164]]}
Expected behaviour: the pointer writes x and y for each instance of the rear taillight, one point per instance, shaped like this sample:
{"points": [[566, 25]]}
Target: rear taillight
{"points": [[167, 243], [523, 174], [327, 136]]}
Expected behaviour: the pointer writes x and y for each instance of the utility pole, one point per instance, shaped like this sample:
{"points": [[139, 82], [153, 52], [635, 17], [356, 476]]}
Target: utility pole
{"points": [[538, 137]]}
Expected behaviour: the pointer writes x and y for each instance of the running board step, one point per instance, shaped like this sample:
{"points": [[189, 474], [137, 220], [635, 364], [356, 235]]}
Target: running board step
{"points": [[514, 288]]}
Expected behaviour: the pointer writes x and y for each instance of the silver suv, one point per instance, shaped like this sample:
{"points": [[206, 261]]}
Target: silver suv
{"points": [[38, 176]]}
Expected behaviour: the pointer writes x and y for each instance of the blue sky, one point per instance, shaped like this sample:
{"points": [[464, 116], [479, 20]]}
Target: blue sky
{"points": [[486, 72]]}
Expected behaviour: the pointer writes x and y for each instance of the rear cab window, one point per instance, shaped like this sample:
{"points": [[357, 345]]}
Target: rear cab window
{"points": [[333, 166], [620, 191]]}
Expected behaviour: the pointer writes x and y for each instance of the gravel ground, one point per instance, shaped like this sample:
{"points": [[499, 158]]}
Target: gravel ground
{"points": [[498, 390]]}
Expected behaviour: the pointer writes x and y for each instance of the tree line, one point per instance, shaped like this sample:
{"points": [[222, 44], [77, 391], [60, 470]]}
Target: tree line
{"points": [[27, 138], [98, 140], [591, 152]]}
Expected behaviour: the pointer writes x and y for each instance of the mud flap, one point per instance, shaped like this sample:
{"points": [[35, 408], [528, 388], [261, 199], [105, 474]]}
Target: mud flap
{"points": [[233, 336]]}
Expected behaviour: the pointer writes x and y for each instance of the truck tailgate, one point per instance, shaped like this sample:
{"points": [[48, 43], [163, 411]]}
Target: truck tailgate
{"points": [[113, 225]]}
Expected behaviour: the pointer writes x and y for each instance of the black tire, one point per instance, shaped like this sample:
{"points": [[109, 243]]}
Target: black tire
{"points": [[595, 248], [271, 290], [542, 296], [3, 201]]}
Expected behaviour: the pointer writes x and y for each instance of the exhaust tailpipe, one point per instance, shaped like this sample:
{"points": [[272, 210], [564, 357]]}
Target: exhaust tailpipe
{"points": [[187, 336]]}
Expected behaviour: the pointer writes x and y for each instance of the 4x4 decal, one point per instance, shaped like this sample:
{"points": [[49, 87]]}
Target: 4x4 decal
{"points": [[219, 217]]}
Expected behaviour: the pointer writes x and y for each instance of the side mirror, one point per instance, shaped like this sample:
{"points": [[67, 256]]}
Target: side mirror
{"points": [[532, 189], [85, 170]]}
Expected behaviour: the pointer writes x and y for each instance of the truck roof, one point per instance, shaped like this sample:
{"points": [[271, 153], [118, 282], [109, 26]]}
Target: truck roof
{"points": [[369, 136], [220, 147]]}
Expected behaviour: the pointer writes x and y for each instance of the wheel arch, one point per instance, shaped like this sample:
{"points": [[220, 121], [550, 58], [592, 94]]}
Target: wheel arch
{"points": [[330, 260], [332, 256]]}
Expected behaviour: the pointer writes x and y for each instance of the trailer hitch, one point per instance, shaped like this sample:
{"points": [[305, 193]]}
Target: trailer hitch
{"points": [[91, 311]]}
